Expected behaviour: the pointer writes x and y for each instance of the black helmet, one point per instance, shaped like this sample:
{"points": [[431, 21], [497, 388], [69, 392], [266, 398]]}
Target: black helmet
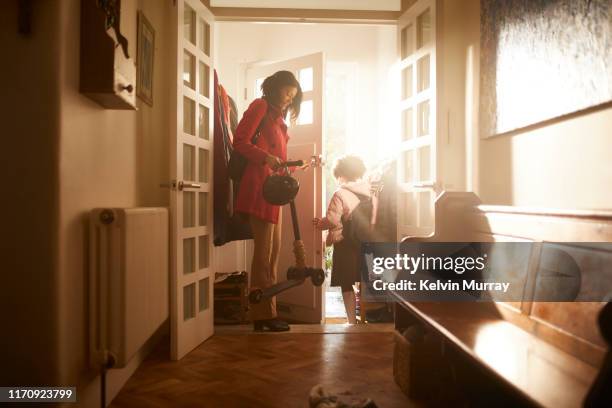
{"points": [[279, 189]]}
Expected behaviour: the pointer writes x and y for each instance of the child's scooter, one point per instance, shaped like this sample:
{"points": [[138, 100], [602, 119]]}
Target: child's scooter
{"points": [[280, 190]]}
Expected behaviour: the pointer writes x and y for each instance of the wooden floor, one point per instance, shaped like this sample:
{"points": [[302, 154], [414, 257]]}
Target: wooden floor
{"points": [[239, 368]]}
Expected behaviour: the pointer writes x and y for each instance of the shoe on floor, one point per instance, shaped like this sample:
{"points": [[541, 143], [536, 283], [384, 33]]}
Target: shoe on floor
{"points": [[321, 398]]}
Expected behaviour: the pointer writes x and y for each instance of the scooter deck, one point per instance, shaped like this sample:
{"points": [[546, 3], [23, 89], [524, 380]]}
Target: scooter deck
{"points": [[279, 287], [257, 295]]}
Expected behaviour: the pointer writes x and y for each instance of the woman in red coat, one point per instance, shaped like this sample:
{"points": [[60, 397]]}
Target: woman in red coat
{"points": [[281, 94]]}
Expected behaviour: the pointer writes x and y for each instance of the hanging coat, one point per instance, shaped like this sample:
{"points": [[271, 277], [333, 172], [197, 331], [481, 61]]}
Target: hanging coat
{"points": [[227, 225]]}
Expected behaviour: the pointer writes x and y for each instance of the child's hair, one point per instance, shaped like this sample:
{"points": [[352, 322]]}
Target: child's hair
{"points": [[350, 167], [272, 85]]}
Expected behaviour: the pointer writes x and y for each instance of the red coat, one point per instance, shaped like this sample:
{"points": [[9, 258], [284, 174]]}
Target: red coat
{"points": [[272, 140]]}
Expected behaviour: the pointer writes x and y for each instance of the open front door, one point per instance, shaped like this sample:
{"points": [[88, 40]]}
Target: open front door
{"points": [[417, 164], [192, 275], [303, 303]]}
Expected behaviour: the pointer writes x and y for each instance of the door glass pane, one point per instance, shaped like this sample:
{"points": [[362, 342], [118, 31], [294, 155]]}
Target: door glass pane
{"points": [[305, 78], [423, 119], [407, 124], [188, 162], [424, 157], [407, 82], [188, 209], [408, 167], [417, 209], [203, 129], [204, 286], [204, 248], [407, 41], [423, 29], [306, 113], [425, 209], [189, 21], [189, 301], [188, 116], [203, 156], [188, 70], [408, 212], [204, 79], [204, 38], [257, 90], [423, 73], [188, 256], [203, 209]]}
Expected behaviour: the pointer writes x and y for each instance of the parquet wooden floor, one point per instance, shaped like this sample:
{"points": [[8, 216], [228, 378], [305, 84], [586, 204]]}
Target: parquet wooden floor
{"points": [[245, 369]]}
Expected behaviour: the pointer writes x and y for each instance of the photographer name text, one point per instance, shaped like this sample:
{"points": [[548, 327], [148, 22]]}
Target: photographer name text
{"points": [[441, 285]]}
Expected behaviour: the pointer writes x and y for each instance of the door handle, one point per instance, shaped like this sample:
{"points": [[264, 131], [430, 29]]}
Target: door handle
{"points": [[317, 161], [184, 185], [435, 186]]}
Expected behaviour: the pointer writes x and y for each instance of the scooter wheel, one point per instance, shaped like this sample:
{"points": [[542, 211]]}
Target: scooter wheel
{"points": [[318, 277], [256, 296]]}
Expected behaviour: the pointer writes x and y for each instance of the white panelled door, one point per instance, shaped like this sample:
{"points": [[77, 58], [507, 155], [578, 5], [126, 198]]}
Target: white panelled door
{"points": [[192, 275], [303, 303], [417, 164]]}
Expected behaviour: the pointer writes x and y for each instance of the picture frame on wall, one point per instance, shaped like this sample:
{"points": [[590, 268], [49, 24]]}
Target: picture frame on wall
{"points": [[145, 59]]}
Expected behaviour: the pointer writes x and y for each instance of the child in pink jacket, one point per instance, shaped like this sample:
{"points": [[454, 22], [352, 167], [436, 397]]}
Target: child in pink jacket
{"points": [[348, 171]]}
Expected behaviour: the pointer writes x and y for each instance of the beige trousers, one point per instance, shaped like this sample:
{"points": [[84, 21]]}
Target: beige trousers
{"points": [[267, 239]]}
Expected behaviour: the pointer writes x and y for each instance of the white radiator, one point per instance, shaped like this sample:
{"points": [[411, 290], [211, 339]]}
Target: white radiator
{"points": [[128, 280]]}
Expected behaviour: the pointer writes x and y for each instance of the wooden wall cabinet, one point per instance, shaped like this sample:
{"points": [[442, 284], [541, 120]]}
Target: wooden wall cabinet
{"points": [[108, 73]]}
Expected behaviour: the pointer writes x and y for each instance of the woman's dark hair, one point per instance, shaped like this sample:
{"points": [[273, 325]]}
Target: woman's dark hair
{"points": [[272, 85], [350, 167]]}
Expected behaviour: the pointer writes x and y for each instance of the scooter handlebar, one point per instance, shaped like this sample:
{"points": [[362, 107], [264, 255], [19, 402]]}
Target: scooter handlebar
{"points": [[293, 163]]}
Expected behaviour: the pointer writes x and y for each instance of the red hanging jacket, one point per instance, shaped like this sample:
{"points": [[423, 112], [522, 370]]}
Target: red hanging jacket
{"points": [[272, 140]]}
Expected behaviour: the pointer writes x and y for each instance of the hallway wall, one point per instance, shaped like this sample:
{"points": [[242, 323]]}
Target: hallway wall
{"points": [[564, 165], [107, 158], [561, 165]]}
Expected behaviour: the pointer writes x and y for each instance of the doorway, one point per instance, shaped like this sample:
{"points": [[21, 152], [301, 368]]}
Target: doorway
{"points": [[359, 98]]}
